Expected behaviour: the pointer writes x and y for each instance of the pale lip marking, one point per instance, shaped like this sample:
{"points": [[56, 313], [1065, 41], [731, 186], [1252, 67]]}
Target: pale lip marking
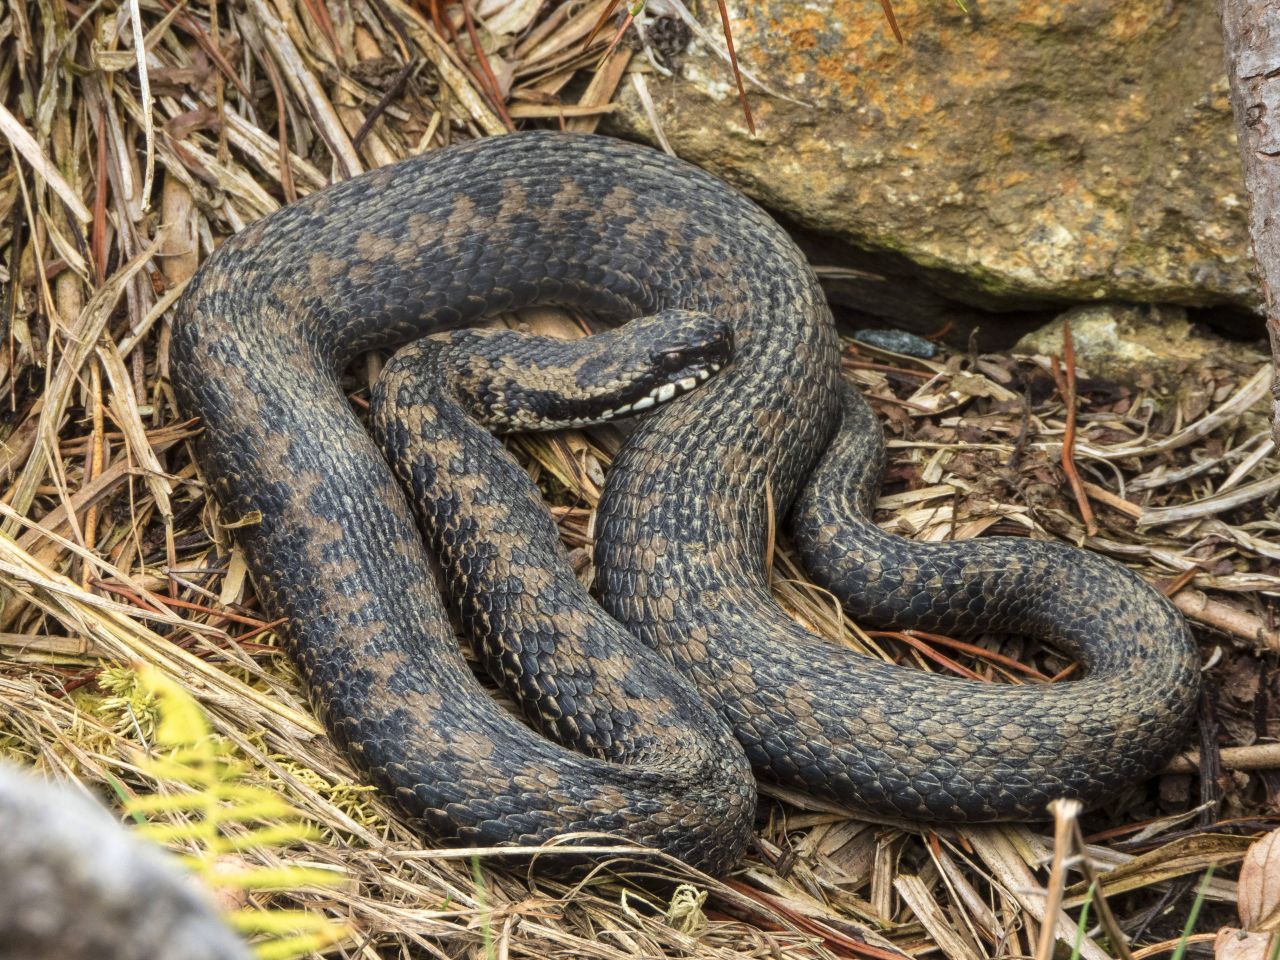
{"points": [[659, 394]]}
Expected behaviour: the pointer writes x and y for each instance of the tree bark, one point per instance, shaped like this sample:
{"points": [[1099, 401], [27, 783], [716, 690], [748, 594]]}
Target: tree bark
{"points": [[1251, 30]]}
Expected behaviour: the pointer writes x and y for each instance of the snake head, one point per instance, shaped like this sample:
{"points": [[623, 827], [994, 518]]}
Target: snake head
{"points": [[514, 381], [696, 345], [684, 348]]}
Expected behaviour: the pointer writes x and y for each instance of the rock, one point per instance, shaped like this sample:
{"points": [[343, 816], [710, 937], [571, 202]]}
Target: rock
{"points": [[1122, 343], [76, 885], [1032, 152]]}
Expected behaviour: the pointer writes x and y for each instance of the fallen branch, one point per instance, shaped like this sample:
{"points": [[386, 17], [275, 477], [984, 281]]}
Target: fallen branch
{"points": [[1228, 619], [1258, 756]]}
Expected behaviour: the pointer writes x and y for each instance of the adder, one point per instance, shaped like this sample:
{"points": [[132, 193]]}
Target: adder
{"points": [[447, 238]]}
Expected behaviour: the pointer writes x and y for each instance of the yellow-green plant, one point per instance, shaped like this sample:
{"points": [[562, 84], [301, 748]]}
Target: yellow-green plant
{"points": [[216, 814], [131, 702]]}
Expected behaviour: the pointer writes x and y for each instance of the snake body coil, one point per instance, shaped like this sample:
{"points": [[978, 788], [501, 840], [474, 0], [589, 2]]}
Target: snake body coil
{"points": [[875, 735], [449, 237], [577, 675]]}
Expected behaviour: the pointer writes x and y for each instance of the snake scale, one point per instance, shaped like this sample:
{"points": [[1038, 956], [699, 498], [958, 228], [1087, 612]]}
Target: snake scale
{"points": [[447, 238]]}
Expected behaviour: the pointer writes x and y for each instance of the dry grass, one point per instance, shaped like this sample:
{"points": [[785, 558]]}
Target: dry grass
{"points": [[108, 556]]}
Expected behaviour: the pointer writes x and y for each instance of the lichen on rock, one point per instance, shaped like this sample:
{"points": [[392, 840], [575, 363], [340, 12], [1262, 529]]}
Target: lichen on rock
{"points": [[1069, 150]]}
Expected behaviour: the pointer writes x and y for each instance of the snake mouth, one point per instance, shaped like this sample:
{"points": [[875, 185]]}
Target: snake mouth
{"points": [[634, 368], [679, 383]]}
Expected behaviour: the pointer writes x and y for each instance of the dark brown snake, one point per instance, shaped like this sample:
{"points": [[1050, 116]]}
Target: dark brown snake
{"points": [[452, 236]]}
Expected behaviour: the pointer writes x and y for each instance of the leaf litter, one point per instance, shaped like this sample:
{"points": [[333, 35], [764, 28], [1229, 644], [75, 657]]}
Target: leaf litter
{"points": [[111, 557]]}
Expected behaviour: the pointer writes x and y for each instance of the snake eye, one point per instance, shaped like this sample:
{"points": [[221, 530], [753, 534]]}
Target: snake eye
{"points": [[673, 360]]}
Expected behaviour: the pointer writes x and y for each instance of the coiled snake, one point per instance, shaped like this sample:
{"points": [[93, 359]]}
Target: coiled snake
{"points": [[446, 238]]}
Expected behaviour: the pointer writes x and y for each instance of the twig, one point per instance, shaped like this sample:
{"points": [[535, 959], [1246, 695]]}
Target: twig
{"points": [[1065, 813], [1120, 504], [144, 92], [93, 464], [490, 81], [1067, 387], [605, 14], [1119, 940], [282, 131], [1210, 506], [942, 659], [641, 87], [1181, 580], [1228, 619], [1257, 756], [733, 63], [887, 7], [98, 232], [600, 91], [393, 91], [996, 658]]}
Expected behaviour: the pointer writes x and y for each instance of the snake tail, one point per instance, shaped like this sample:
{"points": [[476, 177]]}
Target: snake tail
{"points": [[993, 751]]}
